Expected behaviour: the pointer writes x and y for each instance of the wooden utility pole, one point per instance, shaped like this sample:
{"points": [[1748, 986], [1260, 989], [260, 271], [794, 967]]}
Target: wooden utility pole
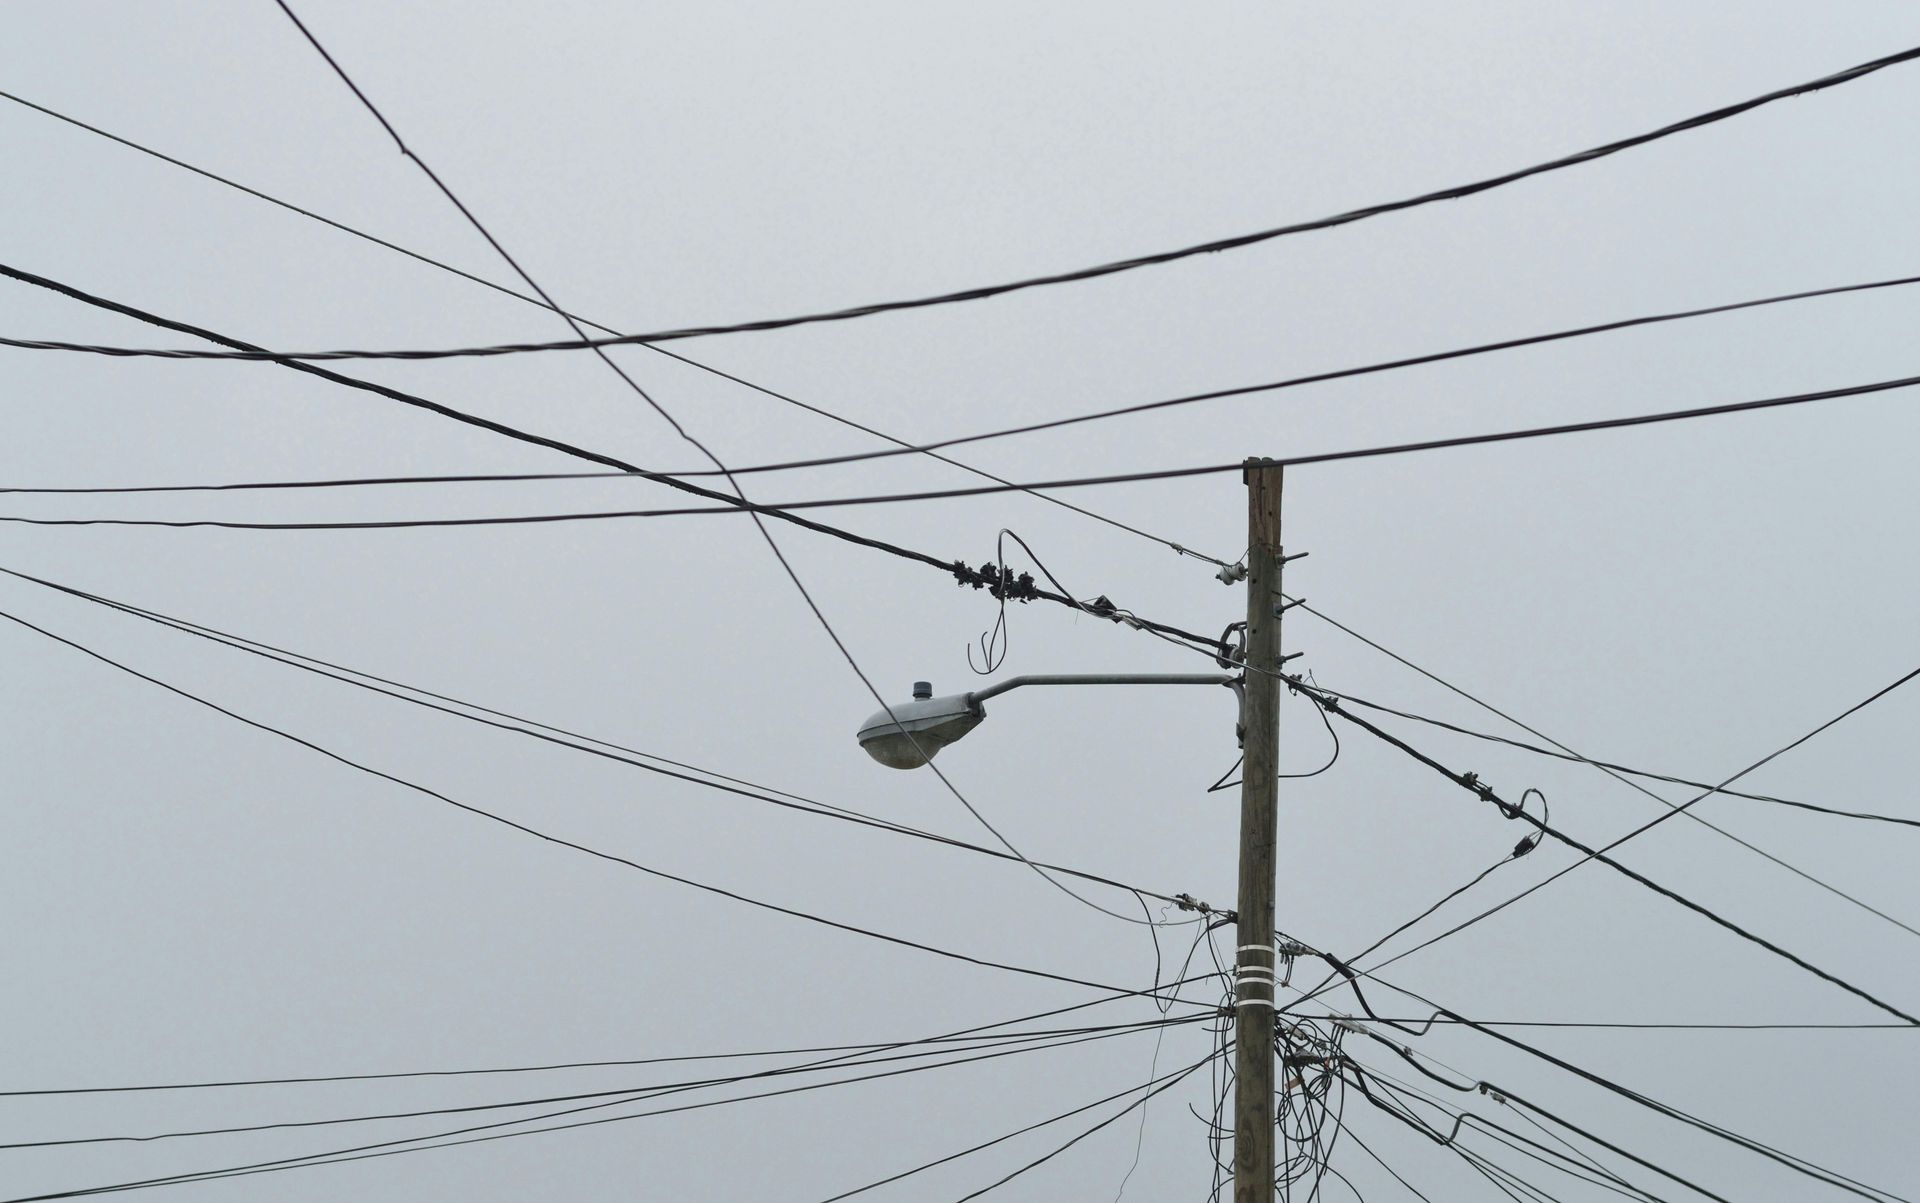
{"points": [[1253, 1135]]}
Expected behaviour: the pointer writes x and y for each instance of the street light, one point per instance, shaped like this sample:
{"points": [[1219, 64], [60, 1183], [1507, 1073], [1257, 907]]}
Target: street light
{"points": [[910, 734]]}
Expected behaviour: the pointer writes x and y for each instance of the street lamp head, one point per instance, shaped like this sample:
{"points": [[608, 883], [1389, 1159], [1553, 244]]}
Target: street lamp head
{"points": [[910, 734]]}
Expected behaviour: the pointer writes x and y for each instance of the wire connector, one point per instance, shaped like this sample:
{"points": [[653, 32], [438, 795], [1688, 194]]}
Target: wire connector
{"points": [[999, 582], [1188, 902], [1472, 781]]}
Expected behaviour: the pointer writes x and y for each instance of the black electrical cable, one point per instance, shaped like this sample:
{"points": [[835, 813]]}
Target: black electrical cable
{"points": [[1576, 758], [534, 300], [1600, 855], [547, 733], [1618, 773], [781, 509], [554, 839], [1501, 1177], [1449, 896], [1799, 1164], [946, 567], [738, 499], [970, 294], [348, 482], [1676, 808], [1053, 1119], [1548, 880], [1025, 1041], [1521, 1144], [1519, 850], [435, 407], [567, 1065], [397, 1147], [1871, 698], [1084, 1133], [1593, 1025], [1450, 1140], [1410, 1187], [1406, 1054], [1577, 1164]]}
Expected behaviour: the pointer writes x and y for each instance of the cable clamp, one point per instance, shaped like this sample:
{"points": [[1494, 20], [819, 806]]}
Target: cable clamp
{"points": [[1487, 1089], [1188, 902]]}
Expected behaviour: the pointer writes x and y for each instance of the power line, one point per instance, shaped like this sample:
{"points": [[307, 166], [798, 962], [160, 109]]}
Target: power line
{"points": [[1474, 785], [1672, 808], [1331, 375], [736, 501], [1464, 1120], [1088, 273], [1352, 974], [1799, 1164], [1576, 758], [903, 446], [611, 1064], [561, 737], [1121, 1114], [553, 839], [783, 509], [329, 483], [392, 1148], [534, 300], [1052, 1119], [1019, 1041], [953, 568], [1666, 1027]]}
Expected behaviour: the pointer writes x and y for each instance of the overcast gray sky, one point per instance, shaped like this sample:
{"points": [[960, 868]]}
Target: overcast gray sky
{"points": [[187, 899]]}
